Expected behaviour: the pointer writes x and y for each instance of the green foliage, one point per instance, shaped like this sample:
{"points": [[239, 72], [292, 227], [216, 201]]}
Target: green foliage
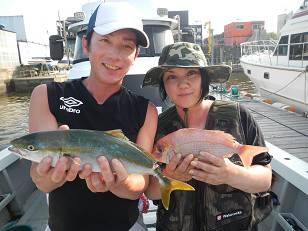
{"points": [[272, 35]]}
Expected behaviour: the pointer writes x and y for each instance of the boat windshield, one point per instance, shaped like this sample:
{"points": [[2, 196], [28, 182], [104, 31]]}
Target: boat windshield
{"points": [[282, 48], [79, 56], [159, 37], [298, 46]]}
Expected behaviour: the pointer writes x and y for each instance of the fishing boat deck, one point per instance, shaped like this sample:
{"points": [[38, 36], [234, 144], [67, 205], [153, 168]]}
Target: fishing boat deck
{"points": [[286, 135], [36, 215]]}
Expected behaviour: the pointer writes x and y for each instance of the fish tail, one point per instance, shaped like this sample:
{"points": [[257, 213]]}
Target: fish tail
{"points": [[169, 186], [247, 152]]}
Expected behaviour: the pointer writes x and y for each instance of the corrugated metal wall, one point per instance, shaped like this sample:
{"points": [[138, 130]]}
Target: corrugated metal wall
{"points": [[15, 24], [9, 57]]}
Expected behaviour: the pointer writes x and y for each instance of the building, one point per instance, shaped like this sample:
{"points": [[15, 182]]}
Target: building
{"points": [[198, 33], [28, 51], [282, 20], [15, 23], [9, 57], [236, 33]]}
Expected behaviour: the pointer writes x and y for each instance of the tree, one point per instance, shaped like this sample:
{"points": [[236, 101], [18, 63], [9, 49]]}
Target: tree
{"points": [[272, 35]]}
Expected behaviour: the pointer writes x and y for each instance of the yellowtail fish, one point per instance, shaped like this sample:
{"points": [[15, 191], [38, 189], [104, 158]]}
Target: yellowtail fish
{"points": [[193, 141], [88, 145]]}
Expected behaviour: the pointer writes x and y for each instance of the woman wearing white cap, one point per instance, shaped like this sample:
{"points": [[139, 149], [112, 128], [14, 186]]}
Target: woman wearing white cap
{"points": [[223, 199], [103, 201]]}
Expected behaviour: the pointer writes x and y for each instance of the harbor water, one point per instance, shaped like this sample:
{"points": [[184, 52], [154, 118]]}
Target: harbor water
{"points": [[13, 117], [14, 109]]}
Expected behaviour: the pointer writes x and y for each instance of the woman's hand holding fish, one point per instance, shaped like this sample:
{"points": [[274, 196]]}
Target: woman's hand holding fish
{"points": [[48, 178], [217, 170], [178, 168], [211, 169]]}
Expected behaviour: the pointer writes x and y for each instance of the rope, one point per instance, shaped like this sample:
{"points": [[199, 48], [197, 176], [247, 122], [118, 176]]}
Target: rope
{"points": [[185, 117], [288, 83]]}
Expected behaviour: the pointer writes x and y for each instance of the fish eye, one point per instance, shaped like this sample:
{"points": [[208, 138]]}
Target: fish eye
{"points": [[159, 148], [30, 147]]}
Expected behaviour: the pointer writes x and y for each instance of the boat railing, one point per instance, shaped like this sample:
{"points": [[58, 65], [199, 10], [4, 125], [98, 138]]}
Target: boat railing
{"points": [[259, 48]]}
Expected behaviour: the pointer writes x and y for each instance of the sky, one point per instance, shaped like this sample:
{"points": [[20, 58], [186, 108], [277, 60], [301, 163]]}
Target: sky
{"points": [[40, 15]]}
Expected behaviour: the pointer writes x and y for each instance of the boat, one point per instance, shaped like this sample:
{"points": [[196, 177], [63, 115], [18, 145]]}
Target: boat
{"points": [[279, 69]]}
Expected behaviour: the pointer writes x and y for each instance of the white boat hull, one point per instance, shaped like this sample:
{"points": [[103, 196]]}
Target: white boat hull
{"points": [[286, 85]]}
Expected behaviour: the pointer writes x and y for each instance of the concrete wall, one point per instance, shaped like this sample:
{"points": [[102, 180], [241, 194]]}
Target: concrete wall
{"points": [[30, 51], [5, 75], [9, 58]]}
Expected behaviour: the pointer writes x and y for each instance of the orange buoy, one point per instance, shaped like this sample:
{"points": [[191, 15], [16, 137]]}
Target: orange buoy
{"points": [[268, 101], [291, 108]]}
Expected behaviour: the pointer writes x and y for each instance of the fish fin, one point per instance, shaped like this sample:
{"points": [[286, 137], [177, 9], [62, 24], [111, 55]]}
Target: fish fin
{"points": [[170, 186], [117, 133], [247, 152]]}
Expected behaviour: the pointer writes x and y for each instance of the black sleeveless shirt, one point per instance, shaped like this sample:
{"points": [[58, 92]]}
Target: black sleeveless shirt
{"points": [[73, 206]]}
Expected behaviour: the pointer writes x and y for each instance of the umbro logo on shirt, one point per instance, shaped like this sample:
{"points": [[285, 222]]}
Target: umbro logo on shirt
{"points": [[69, 104]]}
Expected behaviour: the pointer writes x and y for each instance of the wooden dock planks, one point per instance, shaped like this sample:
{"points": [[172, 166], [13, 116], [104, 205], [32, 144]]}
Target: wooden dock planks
{"points": [[286, 130]]}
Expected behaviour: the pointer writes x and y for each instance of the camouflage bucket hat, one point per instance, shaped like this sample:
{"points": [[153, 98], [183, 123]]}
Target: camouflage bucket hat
{"points": [[184, 54]]}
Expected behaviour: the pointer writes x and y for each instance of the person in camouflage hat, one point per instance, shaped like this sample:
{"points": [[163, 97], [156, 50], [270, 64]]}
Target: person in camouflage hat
{"points": [[224, 196], [184, 54]]}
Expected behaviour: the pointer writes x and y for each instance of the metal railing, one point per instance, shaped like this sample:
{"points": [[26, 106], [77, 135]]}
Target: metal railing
{"points": [[271, 50], [261, 47]]}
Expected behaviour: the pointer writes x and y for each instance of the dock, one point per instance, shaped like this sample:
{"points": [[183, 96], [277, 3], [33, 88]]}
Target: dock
{"points": [[27, 84], [24, 78], [286, 135], [286, 130]]}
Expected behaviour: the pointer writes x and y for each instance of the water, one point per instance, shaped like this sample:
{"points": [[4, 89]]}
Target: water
{"points": [[243, 82], [238, 83], [14, 110], [13, 117]]}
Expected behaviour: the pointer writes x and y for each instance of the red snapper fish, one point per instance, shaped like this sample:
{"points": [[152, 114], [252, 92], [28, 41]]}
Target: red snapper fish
{"points": [[193, 141]]}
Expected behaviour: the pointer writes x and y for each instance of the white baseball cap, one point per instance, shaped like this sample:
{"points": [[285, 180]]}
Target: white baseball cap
{"points": [[112, 16]]}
